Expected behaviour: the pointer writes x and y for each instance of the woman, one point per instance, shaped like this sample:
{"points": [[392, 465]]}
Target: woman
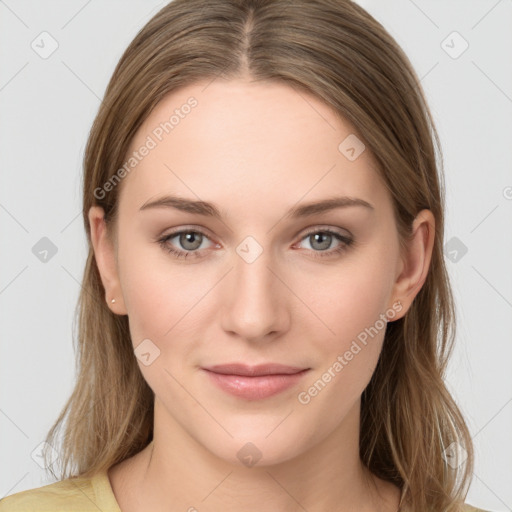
{"points": [[266, 317]]}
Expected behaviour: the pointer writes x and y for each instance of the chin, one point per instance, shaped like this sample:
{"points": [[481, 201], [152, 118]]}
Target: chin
{"points": [[260, 447]]}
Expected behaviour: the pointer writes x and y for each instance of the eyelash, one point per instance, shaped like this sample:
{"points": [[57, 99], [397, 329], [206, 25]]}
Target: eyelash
{"points": [[346, 242]]}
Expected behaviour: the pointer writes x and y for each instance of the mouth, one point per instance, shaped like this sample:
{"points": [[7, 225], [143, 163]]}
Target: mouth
{"points": [[254, 382], [254, 371]]}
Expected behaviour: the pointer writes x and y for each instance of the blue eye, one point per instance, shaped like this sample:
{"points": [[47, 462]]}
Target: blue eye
{"points": [[191, 241]]}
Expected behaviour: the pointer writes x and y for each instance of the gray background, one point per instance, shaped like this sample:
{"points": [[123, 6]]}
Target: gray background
{"points": [[47, 106]]}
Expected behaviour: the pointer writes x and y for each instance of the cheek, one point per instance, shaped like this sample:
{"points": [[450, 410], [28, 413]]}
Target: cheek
{"points": [[350, 298], [354, 308], [164, 306], [157, 292]]}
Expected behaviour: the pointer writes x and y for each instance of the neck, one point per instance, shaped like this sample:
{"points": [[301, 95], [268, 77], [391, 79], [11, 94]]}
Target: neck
{"points": [[175, 472]]}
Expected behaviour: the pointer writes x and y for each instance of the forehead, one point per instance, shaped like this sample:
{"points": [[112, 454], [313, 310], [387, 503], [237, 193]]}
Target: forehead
{"points": [[247, 142]]}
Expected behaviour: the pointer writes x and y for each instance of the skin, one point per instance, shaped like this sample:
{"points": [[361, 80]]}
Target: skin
{"points": [[255, 150]]}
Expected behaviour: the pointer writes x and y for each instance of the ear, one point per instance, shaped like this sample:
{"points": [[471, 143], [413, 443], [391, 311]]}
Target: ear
{"points": [[414, 263], [105, 255]]}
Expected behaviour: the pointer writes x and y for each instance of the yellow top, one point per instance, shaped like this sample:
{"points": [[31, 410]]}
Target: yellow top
{"points": [[76, 495], [70, 495]]}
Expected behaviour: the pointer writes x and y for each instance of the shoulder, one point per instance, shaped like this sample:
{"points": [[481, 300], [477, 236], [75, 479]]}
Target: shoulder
{"points": [[77, 494], [469, 508], [58, 496], [465, 507]]}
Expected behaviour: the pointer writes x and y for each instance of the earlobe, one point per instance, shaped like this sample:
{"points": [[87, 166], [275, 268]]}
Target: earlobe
{"points": [[415, 262], [104, 254]]}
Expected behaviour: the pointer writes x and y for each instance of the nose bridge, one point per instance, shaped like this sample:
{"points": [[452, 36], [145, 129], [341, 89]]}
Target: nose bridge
{"points": [[256, 306]]}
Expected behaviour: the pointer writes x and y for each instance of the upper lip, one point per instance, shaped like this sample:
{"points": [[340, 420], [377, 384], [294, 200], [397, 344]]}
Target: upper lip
{"points": [[253, 371]]}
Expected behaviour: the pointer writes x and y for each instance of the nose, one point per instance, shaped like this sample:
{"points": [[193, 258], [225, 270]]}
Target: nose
{"points": [[255, 300]]}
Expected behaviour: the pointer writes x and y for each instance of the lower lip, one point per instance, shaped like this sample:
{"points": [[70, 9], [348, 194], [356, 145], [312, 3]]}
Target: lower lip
{"points": [[255, 388]]}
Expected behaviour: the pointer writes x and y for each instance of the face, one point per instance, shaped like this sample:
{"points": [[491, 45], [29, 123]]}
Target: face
{"points": [[264, 279]]}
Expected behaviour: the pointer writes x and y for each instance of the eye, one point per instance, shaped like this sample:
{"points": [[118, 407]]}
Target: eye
{"points": [[321, 240], [190, 240], [191, 243]]}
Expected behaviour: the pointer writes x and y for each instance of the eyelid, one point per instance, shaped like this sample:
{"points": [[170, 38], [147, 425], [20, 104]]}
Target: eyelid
{"points": [[187, 229], [325, 228]]}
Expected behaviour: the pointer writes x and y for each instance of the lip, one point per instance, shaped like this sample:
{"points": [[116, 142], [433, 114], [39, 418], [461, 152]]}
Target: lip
{"points": [[255, 382], [254, 371]]}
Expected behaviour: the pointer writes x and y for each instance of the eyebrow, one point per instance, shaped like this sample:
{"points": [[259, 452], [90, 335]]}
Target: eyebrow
{"points": [[210, 210]]}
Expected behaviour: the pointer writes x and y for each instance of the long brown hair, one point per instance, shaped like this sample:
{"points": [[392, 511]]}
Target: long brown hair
{"points": [[338, 52]]}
